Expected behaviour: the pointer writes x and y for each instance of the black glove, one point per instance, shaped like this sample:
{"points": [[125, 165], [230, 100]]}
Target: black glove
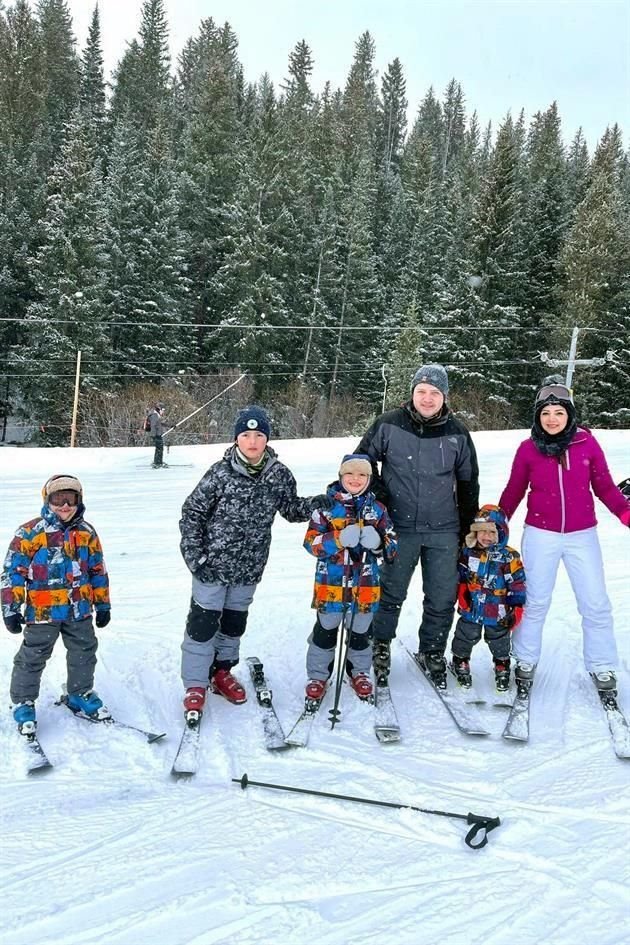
{"points": [[102, 618], [14, 622], [350, 535], [370, 538], [322, 501]]}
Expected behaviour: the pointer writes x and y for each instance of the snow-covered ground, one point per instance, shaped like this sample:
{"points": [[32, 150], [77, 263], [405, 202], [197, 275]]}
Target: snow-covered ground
{"points": [[106, 848]]}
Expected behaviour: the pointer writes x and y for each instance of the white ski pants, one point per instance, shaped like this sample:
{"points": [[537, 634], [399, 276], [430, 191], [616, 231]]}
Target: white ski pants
{"points": [[580, 551]]}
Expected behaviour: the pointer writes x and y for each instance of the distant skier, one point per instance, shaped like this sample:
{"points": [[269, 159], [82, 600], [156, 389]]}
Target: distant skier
{"points": [[54, 571], [157, 430], [349, 541], [226, 534], [560, 464], [491, 596]]}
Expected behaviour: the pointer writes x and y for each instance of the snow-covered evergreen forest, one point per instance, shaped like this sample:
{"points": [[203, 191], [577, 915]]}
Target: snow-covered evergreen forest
{"points": [[182, 224]]}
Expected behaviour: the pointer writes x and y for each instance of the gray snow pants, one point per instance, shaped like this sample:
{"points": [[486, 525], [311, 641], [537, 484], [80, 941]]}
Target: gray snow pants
{"points": [[437, 553], [215, 624], [80, 641], [468, 633], [320, 655]]}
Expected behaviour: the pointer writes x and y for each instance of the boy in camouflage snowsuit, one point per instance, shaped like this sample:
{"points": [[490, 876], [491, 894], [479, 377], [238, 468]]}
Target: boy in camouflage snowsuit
{"points": [[226, 534]]}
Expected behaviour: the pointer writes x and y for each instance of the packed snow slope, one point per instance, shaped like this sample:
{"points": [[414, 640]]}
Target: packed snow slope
{"points": [[106, 849]]}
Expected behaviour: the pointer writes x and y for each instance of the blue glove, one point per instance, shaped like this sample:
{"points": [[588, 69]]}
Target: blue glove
{"points": [[350, 535], [14, 622], [102, 618], [370, 538]]}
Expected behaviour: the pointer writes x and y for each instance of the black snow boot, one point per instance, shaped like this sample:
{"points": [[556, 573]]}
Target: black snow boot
{"points": [[435, 665], [460, 667], [502, 674]]}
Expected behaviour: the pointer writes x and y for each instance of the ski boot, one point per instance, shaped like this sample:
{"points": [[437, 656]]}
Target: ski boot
{"points": [[88, 704], [524, 677], [194, 702], [434, 665], [460, 667], [24, 715], [226, 685], [606, 684], [362, 685], [381, 661], [315, 689], [502, 674]]}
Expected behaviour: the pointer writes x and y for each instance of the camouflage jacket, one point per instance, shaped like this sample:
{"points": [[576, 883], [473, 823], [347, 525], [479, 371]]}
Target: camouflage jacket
{"points": [[226, 520]]}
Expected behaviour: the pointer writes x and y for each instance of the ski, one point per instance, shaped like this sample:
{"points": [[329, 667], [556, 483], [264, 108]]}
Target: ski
{"points": [[300, 733], [386, 725], [186, 761], [274, 736], [464, 715], [517, 725], [37, 759], [617, 723], [150, 736]]}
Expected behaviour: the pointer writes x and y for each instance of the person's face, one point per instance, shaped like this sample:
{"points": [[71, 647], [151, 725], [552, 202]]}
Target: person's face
{"points": [[553, 419], [486, 537], [64, 504], [354, 482], [252, 444], [427, 400]]}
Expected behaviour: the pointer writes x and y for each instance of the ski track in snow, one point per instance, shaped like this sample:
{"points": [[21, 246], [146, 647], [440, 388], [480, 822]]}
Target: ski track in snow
{"points": [[107, 848]]}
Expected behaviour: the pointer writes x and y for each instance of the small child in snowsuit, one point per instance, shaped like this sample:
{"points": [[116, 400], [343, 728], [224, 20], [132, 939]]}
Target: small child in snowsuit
{"points": [[348, 540], [55, 570], [490, 596], [226, 535]]}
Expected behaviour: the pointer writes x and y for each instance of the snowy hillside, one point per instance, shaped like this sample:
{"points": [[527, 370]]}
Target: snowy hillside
{"points": [[107, 850]]}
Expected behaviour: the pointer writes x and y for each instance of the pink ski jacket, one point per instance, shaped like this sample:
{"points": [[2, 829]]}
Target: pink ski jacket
{"points": [[560, 498]]}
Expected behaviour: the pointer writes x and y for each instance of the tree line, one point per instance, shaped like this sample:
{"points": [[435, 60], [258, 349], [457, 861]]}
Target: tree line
{"points": [[186, 225]]}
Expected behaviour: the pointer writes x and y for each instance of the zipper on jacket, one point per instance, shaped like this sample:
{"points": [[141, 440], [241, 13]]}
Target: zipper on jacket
{"points": [[562, 508]]}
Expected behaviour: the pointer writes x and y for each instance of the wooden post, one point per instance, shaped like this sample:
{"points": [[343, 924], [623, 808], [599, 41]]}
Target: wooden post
{"points": [[75, 406]]}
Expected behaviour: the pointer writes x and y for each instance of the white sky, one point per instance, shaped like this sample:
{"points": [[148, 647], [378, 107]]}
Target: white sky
{"points": [[507, 54]]}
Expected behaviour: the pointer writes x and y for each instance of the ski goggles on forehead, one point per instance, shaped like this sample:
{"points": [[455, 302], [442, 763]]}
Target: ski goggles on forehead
{"points": [[554, 390], [64, 497]]}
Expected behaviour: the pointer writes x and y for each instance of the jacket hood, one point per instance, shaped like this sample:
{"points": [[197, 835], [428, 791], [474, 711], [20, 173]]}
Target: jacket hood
{"points": [[495, 516]]}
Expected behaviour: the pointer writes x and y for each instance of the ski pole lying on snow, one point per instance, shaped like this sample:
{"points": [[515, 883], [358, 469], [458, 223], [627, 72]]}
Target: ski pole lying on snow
{"points": [[479, 823]]}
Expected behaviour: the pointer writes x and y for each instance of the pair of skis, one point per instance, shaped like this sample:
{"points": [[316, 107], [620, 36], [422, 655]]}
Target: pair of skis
{"points": [[186, 762], [37, 759], [386, 725], [468, 720]]}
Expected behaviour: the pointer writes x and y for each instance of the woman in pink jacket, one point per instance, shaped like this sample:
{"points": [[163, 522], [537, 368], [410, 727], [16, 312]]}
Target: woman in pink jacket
{"points": [[562, 464]]}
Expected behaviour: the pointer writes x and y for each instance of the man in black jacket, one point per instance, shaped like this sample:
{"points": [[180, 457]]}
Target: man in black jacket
{"points": [[429, 480]]}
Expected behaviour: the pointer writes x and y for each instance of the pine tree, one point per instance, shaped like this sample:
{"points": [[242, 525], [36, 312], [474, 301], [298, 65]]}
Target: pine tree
{"points": [[595, 292], [92, 86], [60, 68], [68, 271], [147, 288]]}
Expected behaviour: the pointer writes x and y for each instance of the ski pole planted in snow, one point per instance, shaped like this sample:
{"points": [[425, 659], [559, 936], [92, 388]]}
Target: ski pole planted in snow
{"points": [[479, 824]]}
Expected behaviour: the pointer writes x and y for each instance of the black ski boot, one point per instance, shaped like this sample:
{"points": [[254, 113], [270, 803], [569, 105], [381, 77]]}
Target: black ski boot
{"points": [[435, 665], [460, 667], [606, 684], [524, 677], [381, 661], [502, 674]]}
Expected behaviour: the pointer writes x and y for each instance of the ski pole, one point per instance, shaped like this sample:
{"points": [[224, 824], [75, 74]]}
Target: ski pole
{"points": [[478, 821], [216, 397], [342, 643]]}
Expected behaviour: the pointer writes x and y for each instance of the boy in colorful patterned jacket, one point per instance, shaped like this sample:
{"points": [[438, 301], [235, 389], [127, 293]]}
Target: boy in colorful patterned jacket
{"points": [[490, 597], [349, 540], [55, 571]]}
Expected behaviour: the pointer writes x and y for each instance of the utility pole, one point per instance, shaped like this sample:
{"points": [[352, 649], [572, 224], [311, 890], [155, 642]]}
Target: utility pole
{"points": [[572, 362], [75, 406]]}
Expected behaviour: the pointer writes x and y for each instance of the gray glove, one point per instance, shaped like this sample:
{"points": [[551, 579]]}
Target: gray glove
{"points": [[350, 535], [370, 538]]}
